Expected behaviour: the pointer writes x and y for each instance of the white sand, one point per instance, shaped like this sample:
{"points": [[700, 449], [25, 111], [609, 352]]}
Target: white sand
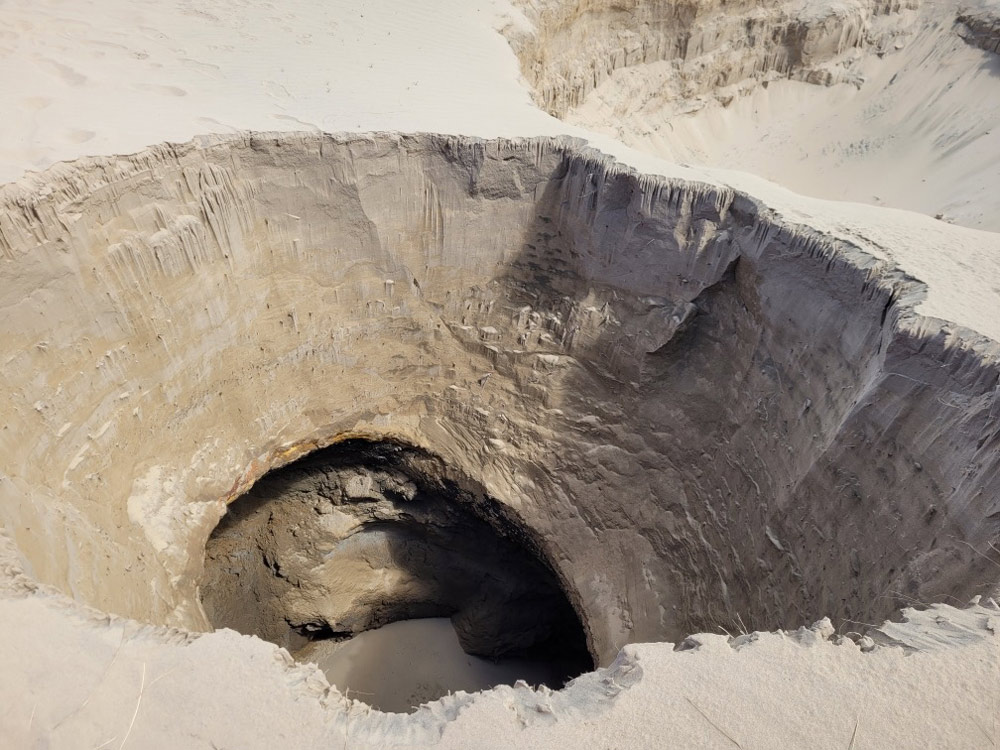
{"points": [[81, 683], [111, 76], [114, 76]]}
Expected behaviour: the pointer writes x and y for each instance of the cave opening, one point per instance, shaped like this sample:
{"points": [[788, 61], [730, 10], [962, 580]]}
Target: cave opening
{"points": [[400, 579]]}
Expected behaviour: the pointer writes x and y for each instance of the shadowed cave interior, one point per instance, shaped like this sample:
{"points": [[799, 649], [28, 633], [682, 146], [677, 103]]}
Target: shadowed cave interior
{"points": [[362, 534]]}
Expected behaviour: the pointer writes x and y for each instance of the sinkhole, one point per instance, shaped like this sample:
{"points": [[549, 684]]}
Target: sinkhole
{"points": [[349, 393], [374, 537]]}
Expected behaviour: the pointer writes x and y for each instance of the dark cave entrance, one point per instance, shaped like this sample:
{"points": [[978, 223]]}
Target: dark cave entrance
{"points": [[363, 534]]}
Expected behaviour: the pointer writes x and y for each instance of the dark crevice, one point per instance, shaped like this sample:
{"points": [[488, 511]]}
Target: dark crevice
{"points": [[362, 534]]}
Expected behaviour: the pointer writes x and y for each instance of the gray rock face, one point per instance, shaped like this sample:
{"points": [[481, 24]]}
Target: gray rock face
{"points": [[704, 418], [979, 25]]}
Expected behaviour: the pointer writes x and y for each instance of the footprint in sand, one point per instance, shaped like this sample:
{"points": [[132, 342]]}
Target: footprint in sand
{"points": [[36, 102], [210, 70], [200, 14], [109, 45], [68, 74], [276, 90], [165, 90], [153, 33], [300, 122], [80, 136], [213, 123], [115, 47]]}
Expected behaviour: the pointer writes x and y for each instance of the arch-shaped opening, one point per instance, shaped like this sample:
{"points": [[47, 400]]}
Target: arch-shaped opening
{"points": [[365, 533]]}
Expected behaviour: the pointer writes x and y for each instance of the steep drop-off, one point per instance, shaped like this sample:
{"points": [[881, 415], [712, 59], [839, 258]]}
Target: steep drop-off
{"points": [[362, 534], [704, 418]]}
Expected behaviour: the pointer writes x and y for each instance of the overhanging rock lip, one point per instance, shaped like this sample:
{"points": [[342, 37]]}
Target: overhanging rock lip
{"points": [[771, 203], [72, 180]]}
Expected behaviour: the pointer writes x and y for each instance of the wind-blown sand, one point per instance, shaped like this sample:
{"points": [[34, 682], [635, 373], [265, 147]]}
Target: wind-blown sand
{"points": [[114, 76]]}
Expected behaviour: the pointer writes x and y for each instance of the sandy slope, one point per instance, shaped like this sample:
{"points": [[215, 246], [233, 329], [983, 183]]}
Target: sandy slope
{"points": [[113, 76]]}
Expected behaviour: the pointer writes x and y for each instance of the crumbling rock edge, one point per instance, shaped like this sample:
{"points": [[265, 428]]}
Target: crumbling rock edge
{"points": [[38, 197], [979, 25]]}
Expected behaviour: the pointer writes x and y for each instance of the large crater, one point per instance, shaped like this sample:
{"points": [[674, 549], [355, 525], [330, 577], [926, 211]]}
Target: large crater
{"points": [[888, 102], [669, 411]]}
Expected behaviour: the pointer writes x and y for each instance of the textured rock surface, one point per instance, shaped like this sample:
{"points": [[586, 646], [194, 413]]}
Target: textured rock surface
{"points": [[708, 45], [979, 25], [707, 418], [711, 416]]}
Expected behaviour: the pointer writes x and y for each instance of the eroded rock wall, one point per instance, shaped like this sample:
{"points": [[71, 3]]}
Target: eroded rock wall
{"points": [[705, 45], [704, 417]]}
